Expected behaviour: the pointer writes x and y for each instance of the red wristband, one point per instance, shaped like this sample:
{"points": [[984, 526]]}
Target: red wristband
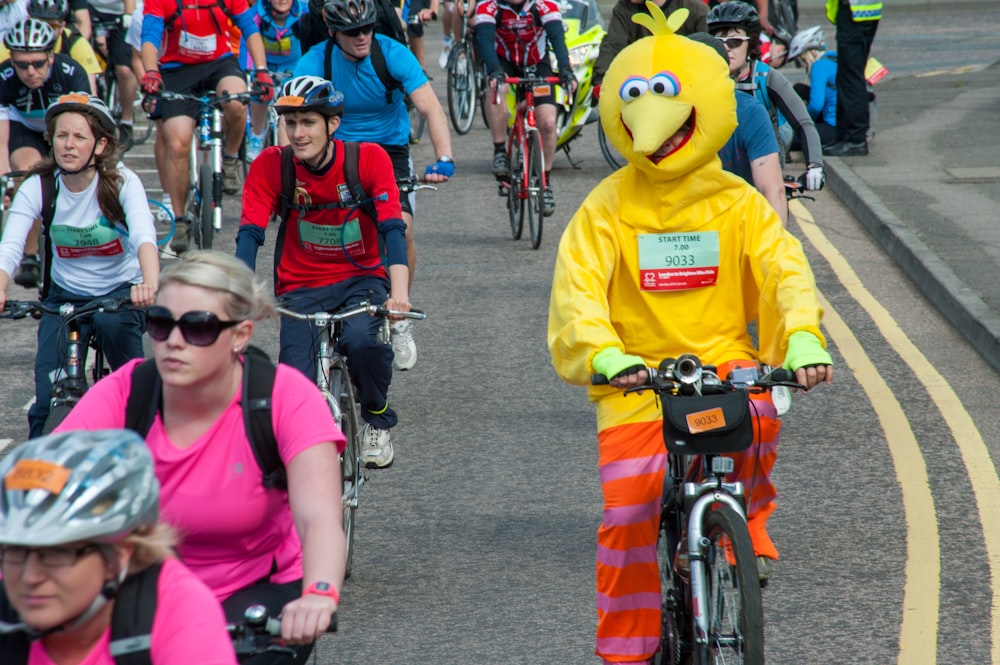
{"points": [[323, 589]]}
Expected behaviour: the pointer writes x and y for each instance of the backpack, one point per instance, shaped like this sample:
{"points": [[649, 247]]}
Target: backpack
{"points": [[131, 622], [378, 63], [144, 402], [352, 151], [196, 4], [48, 213]]}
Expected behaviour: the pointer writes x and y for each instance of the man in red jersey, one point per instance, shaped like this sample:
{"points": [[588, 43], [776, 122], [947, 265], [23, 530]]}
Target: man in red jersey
{"points": [[327, 252]]}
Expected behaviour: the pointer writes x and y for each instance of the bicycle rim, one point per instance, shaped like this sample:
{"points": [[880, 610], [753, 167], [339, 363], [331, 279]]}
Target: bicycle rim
{"points": [[611, 156], [515, 204], [673, 618], [536, 188], [732, 590], [461, 90], [205, 231]]}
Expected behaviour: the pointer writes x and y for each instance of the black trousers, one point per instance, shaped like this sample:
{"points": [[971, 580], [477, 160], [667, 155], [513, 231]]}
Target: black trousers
{"points": [[854, 44]]}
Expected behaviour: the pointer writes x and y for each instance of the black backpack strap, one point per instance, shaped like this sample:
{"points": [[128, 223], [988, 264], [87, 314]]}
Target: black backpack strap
{"points": [[258, 385], [352, 177], [132, 618], [49, 194], [143, 398], [382, 71], [284, 202], [13, 646]]}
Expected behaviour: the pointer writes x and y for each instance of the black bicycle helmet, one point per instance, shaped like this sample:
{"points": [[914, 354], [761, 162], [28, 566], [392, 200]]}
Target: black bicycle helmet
{"points": [[49, 10], [30, 35], [83, 102], [734, 14], [309, 93], [346, 14]]}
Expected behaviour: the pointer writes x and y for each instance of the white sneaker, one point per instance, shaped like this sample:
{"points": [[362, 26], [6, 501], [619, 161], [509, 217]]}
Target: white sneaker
{"points": [[404, 349], [376, 447], [255, 144], [445, 52]]}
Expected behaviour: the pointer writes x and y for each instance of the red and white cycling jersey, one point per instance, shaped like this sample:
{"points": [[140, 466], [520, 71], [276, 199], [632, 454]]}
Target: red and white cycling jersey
{"points": [[520, 29], [197, 31]]}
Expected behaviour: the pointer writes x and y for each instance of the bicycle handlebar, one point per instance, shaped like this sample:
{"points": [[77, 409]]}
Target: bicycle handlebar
{"points": [[412, 184], [210, 100], [252, 636], [20, 309], [525, 81], [364, 307], [688, 370], [795, 187]]}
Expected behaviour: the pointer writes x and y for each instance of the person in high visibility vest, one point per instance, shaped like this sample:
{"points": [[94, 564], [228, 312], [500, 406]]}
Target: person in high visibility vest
{"points": [[856, 21]]}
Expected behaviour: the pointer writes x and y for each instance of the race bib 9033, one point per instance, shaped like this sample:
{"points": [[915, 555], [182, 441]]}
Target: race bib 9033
{"points": [[678, 261]]}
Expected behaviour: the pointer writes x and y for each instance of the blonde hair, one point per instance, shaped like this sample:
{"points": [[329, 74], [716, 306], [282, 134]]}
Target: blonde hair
{"points": [[248, 298], [151, 545]]}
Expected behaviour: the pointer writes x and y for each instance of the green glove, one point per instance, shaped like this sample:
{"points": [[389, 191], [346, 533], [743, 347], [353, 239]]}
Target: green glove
{"points": [[805, 349], [611, 362]]}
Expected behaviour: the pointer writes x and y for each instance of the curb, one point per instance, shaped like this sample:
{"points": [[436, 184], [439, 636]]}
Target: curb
{"points": [[956, 301]]}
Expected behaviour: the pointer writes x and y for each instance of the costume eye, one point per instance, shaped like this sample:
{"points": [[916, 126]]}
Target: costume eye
{"points": [[633, 88], [666, 84]]}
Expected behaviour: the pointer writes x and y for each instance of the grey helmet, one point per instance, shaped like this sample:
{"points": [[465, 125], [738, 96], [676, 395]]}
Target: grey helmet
{"points": [[807, 40], [347, 14], [30, 35], [77, 487]]}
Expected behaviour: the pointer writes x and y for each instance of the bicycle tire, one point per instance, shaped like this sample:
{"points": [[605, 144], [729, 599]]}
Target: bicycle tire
{"points": [[611, 156], [163, 219], [417, 122], [535, 169], [674, 615], [57, 414], [346, 414], [462, 93], [205, 231], [515, 204], [732, 589]]}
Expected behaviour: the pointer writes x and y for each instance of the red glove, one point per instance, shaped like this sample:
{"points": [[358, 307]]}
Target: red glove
{"points": [[151, 82], [595, 95], [263, 84]]}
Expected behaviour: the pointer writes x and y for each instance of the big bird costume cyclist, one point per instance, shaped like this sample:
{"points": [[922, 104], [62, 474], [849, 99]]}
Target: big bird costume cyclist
{"points": [[672, 255]]}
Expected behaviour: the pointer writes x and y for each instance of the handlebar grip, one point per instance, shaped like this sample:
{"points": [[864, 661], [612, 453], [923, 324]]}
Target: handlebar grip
{"points": [[599, 380], [781, 375]]}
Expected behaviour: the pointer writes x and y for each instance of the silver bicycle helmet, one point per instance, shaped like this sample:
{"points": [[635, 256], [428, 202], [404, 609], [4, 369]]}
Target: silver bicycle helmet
{"points": [[807, 40], [309, 93], [31, 34], [49, 10], [77, 487], [82, 102], [346, 14]]}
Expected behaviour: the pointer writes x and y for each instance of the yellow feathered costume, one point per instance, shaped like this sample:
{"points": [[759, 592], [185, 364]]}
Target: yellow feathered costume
{"points": [[668, 255]]}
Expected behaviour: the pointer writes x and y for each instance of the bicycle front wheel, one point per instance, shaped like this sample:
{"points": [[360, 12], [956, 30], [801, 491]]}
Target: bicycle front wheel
{"points": [[732, 590], [461, 89], [536, 187], [611, 156], [346, 413], [205, 230], [674, 617], [515, 204]]}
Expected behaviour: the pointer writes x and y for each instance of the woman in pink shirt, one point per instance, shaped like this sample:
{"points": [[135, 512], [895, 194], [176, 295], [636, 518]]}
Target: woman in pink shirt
{"points": [[284, 549], [79, 534]]}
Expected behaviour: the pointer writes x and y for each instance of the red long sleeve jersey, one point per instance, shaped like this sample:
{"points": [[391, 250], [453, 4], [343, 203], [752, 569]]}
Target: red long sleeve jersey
{"points": [[324, 246]]}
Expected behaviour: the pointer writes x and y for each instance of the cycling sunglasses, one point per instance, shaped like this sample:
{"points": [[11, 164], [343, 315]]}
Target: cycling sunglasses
{"points": [[197, 328], [25, 65], [733, 43], [357, 32]]}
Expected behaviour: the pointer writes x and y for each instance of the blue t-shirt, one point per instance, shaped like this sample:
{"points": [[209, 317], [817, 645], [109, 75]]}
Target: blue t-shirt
{"points": [[366, 115], [282, 46], [823, 89], [753, 138]]}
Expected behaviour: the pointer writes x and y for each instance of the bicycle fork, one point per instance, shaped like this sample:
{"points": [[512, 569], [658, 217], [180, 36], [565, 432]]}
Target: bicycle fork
{"points": [[708, 494]]}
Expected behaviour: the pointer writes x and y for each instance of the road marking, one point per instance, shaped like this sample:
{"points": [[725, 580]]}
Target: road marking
{"points": [[5, 444], [921, 601]]}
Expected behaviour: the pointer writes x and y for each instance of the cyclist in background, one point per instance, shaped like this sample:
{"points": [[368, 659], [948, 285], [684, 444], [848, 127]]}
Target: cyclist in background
{"points": [[31, 80], [197, 59], [376, 113], [809, 49], [327, 255], [419, 13], [70, 545], [278, 22], [111, 19], [511, 36], [284, 549], [737, 25], [101, 239], [68, 42]]}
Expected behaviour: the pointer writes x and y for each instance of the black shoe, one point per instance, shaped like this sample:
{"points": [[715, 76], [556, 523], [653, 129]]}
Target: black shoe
{"points": [[182, 235], [548, 202], [125, 139], [30, 273], [501, 167], [847, 149]]}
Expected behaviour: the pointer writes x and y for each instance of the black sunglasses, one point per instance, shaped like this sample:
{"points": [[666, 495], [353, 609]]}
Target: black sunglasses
{"points": [[25, 65], [198, 328], [357, 32]]}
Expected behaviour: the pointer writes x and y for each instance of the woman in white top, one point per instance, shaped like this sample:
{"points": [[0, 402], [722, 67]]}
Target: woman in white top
{"points": [[101, 241]]}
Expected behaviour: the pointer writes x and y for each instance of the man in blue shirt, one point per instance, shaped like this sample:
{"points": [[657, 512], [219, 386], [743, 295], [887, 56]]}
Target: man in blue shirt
{"points": [[375, 111]]}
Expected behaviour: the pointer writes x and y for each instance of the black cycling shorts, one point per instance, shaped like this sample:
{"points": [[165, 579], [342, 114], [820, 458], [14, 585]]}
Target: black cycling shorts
{"points": [[20, 136], [119, 53], [402, 167], [542, 69], [197, 79], [416, 29]]}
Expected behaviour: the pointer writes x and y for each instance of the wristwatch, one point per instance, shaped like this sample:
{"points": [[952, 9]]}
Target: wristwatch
{"points": [[446, 159], [323, 589]]}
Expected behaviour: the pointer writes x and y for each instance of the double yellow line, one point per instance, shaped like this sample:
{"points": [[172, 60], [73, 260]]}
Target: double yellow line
{"points": [[921, 594]]}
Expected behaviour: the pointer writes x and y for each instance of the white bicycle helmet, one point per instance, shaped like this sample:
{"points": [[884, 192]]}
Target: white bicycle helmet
{"points": [[29, 35], [806, 40], [76, 487], [49, 10], [309, 93], [83, 102]]}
